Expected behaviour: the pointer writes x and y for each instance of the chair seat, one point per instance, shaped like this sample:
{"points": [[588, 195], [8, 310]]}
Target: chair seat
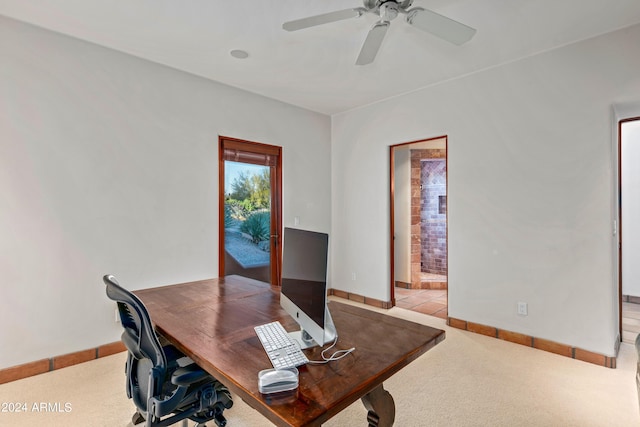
{"points": [[188, 375]]}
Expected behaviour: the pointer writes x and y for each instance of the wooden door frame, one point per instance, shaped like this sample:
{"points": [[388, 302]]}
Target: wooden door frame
{"points": [[392, 207], [276, 200]]}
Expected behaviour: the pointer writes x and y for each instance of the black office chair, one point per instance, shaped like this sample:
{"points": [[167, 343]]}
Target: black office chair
{"points": [[164, 389]]}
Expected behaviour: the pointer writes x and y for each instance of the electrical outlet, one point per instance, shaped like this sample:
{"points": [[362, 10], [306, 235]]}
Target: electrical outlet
{"points": [[353, 276], [522, 309]]}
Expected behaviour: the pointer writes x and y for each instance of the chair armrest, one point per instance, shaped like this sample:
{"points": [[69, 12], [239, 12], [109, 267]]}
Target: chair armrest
{"points": [[188, 375]]}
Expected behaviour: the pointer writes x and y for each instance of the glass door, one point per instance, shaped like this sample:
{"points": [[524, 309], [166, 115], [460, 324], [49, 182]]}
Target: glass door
{"points": [[250, 203]]}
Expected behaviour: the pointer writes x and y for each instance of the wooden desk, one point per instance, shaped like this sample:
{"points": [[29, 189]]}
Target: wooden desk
{"points": [[212, 322]]}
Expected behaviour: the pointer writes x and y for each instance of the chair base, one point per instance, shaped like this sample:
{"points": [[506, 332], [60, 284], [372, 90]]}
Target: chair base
{"points": [[219, 420]]}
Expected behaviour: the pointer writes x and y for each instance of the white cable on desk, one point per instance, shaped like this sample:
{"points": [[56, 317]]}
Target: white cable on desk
{"points": [[337, 355]]}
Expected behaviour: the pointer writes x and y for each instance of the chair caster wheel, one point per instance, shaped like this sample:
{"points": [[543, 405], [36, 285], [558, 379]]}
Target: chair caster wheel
{"points": [[137, 418]]}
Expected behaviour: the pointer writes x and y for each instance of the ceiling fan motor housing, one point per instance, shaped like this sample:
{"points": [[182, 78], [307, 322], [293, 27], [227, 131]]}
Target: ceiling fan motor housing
{"points": [[388, 10], [373, 4]]}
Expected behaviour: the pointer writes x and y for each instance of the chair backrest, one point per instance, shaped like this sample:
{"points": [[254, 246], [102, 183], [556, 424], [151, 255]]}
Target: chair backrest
{"points": [[139, 336]]}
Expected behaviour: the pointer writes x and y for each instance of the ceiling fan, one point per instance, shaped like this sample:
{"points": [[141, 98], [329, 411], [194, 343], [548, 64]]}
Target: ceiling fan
{"points": [[423, 19]]}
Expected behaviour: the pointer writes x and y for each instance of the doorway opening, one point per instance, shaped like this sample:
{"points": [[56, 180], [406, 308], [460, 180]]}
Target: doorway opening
{"points": [[419, 227], [250, 201], [629, 227]]}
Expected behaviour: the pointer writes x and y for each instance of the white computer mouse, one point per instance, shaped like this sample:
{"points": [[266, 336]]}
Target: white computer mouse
{"points": [[275, 380]]}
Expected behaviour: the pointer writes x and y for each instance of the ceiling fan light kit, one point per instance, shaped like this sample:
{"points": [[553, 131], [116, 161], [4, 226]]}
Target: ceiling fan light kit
{"points": [[422, 19]]}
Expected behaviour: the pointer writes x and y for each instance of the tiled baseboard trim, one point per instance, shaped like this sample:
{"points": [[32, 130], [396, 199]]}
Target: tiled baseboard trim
{"points": [[539, 343], [631, 299], [421, 285], [57, 362], [359, 298]]}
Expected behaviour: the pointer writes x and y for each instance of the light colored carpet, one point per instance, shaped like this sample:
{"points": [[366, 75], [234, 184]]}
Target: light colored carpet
{"points": [[467, 380]]}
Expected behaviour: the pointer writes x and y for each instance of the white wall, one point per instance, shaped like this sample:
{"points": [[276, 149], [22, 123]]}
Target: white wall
{"points": [[631, 208], [530, 200], [402, 213], [108, 164]]}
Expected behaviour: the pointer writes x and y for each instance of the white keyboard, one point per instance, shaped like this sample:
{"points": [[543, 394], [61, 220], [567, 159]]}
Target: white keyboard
{"points": [[283, 351]]}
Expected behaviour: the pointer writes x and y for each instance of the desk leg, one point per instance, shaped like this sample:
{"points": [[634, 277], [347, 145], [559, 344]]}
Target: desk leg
{"points": [[382, 409]]}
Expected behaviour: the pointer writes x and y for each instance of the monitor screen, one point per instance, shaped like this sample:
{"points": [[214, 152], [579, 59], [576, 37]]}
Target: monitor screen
{"points": [[304, 280]]}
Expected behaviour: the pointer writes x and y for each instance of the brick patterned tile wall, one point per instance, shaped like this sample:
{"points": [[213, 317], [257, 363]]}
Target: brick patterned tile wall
{"points": [[417, 157], [433, 217]]}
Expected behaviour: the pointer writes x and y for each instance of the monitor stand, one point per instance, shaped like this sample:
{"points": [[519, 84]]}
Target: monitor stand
{"points": [[304, 339]]}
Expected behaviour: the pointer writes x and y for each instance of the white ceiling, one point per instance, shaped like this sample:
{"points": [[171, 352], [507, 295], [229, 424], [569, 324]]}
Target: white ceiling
{"points": [[315, 68]]}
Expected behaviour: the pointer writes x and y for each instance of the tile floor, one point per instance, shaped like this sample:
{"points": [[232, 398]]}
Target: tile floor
{"points": [[427, 301]]}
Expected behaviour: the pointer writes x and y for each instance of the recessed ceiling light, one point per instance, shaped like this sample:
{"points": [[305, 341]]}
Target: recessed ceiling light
{"points": [[240, 54]]}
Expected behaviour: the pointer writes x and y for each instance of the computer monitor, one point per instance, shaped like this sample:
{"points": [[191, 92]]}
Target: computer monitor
{"points": [[304, 286]]}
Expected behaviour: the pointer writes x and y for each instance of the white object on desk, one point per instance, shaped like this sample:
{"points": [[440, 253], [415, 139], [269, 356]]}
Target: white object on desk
{"points": [[276, 380]]}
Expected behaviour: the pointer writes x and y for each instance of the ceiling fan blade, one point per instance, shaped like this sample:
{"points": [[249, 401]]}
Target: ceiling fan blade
{"points": [[372, 43], [441, 26], [325, 18]]}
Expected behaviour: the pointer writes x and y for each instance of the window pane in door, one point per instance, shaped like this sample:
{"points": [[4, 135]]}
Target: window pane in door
{"points": [[247, 219]]}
